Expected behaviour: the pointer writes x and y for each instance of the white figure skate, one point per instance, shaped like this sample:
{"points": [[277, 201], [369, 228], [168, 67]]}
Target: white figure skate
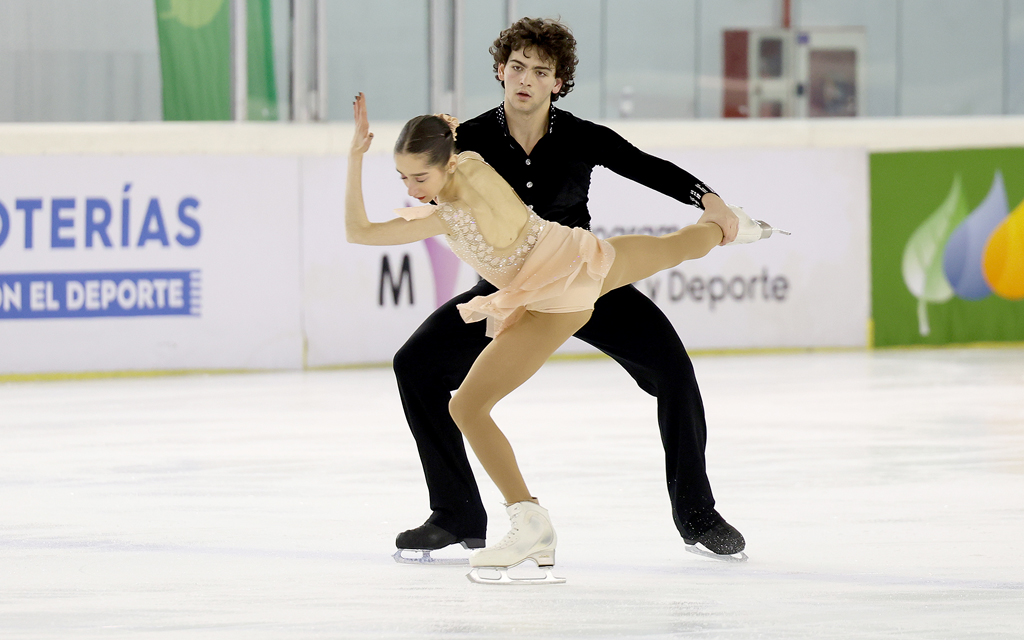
{"points": [[532, 538], [752, 230]]}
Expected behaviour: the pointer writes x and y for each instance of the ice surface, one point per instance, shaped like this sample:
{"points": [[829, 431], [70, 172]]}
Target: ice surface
{"points": [[881, 495]]}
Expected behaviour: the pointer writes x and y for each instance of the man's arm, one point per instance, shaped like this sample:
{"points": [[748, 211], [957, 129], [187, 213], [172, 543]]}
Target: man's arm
{"points": [[617, 154]]}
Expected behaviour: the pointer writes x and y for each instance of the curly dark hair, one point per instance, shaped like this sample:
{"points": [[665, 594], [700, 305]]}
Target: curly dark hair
{"points": [[552, 39]]}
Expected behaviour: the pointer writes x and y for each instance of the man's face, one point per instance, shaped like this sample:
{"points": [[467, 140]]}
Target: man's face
{"points": [[529, 80]]}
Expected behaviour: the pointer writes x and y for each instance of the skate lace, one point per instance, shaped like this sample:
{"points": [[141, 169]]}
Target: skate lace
{"points": [[510, 537]]}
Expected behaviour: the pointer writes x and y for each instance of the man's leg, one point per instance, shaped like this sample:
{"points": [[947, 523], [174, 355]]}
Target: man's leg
{"points": [[630, 328], [428, 367]]}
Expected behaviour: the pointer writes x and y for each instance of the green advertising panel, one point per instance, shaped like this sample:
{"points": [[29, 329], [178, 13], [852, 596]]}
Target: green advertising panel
{"points": [[947, 246], [195, 59], [262, 81]]}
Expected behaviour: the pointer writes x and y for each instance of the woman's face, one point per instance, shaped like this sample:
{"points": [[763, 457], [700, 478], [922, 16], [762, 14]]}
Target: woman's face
{"points": [[421, 180]]}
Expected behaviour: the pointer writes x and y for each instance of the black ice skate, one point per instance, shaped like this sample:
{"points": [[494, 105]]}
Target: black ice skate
{"points": [[429, 537], [721, 542]]}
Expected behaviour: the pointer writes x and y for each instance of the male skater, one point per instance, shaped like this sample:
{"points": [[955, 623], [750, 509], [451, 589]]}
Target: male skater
{"points": [[547, 155]]}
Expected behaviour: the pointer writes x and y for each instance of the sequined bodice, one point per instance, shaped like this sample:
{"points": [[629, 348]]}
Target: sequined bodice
{"points": [[497, 266]]}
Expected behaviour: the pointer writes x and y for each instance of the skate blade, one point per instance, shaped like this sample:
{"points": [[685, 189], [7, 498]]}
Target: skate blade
{"points": [[767, 230], [425, 558], [701, 550], [761, 231], [505, 579]]}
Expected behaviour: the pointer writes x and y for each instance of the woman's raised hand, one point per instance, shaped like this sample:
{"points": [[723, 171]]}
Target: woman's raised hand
{"points": [[362, 138]]}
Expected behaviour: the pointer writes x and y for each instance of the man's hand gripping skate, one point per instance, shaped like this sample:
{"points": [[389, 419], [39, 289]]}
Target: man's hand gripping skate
{"points": [[737, 226]]}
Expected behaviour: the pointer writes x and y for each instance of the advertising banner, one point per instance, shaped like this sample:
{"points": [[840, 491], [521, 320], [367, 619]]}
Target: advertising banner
{"points": [[195, 59], [142, 263], [947, 246], [805, 290]]}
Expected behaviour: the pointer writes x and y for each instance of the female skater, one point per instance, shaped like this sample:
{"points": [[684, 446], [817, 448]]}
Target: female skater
{"points": [[548, 278]]}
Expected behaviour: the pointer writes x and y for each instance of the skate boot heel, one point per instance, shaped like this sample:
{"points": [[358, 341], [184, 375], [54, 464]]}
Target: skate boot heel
{"points": [[544, 558], [472, 543]]}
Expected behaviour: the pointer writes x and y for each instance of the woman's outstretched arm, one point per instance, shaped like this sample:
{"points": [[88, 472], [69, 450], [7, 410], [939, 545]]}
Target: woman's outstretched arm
{"points": [[358, 228]]}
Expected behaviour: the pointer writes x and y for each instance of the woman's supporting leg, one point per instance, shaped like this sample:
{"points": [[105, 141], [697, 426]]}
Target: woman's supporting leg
{"points": [[505, 364], [638, 257]]}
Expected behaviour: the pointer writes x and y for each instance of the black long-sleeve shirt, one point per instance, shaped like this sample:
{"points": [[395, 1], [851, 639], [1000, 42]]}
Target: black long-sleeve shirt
{"points": [[555, 178]]}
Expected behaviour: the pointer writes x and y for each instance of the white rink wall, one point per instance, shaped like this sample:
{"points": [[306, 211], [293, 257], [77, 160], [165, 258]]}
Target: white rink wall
{"points": [[242, 223]]}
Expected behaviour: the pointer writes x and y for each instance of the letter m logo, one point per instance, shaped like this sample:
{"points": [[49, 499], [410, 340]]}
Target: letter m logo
{"points": [[388, 279]]}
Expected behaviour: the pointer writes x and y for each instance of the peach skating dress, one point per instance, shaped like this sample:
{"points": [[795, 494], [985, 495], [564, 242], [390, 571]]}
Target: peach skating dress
{"points": [[549, 267]]}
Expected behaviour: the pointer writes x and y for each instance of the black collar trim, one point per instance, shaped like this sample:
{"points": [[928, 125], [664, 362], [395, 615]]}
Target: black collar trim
{"points": [[503, 123]]}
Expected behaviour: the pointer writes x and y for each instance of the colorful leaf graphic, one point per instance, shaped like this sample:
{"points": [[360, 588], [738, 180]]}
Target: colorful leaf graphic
{"points": [[1004, 257], [922, 257], [962, 257]]}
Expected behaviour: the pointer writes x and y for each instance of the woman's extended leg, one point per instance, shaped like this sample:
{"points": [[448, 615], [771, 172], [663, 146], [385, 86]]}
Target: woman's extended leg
{"points": [[506, 363], [638, 257]]}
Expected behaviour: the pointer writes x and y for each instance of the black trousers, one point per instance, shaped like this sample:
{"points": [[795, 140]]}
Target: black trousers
{"points": [[627, 326]]}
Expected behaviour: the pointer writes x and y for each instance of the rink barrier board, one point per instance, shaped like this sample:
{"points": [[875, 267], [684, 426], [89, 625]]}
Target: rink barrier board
{"points": [[307, 145], [132, 262]]}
